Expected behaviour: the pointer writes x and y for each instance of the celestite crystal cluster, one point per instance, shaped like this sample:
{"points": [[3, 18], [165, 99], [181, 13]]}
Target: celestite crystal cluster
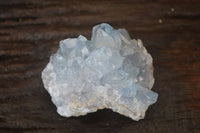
{"points": [[109, 71]]}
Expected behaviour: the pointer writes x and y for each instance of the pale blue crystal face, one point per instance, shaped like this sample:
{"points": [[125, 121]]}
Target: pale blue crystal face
{"points": [[105, 35], [109, 71]]}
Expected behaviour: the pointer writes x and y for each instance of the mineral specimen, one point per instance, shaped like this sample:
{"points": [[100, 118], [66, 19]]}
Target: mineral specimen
{"points": [[109, 71]]}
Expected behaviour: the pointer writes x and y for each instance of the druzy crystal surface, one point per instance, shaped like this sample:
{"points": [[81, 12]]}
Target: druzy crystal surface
{"points": [[109, 71]]}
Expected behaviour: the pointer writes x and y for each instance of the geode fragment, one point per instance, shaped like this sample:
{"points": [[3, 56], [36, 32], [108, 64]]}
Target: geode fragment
{"points": [[109, 71]]}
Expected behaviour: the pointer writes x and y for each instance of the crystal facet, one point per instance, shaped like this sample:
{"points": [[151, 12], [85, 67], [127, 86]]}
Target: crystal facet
{"points": [[109, 71]]}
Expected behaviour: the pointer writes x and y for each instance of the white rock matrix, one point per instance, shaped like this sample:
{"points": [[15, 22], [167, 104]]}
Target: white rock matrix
{"points": [[109, 71]]}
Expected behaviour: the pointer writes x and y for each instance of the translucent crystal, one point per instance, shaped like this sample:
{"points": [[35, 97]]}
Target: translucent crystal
{"points": [[109, 71]]}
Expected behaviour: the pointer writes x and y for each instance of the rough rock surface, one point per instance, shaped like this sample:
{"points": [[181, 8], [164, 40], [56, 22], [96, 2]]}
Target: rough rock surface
{"points": [[109, 71]]}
